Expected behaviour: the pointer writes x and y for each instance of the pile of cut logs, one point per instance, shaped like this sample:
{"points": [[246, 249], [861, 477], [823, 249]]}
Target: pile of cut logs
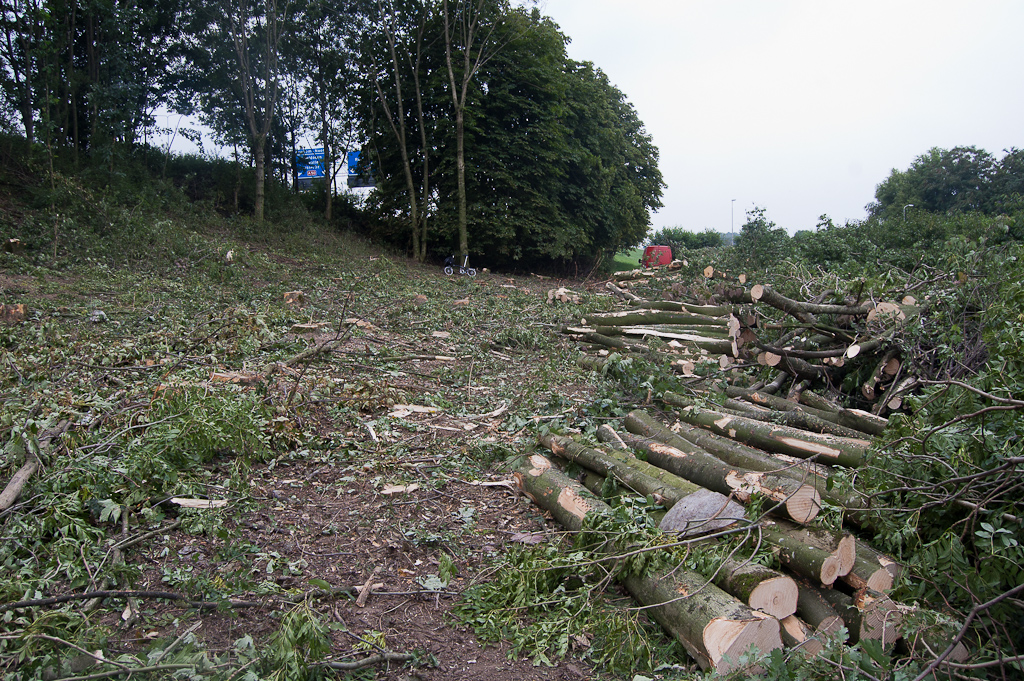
{"points": [[807, 342], [743, 442]]}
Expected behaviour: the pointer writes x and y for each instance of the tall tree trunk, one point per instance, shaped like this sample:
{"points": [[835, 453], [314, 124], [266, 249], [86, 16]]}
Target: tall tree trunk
{"points": [[460, 169], [258, 157]]}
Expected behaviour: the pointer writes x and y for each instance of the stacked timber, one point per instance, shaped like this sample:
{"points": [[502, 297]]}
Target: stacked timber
{"points": [[757, 419], [828, 579], [714, 627], [806, 342]]}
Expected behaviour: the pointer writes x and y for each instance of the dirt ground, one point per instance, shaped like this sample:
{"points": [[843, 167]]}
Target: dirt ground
{"points": [[381, 510]]}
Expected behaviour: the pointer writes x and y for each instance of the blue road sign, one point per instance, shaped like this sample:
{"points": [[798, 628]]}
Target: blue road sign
{"points": [[310, 163]]}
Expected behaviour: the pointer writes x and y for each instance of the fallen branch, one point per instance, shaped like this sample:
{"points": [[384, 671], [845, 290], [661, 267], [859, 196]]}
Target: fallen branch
{"points": [[369, 661]]}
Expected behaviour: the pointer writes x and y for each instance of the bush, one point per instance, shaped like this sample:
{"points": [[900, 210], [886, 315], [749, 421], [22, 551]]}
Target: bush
{"points": [[679, 239]]}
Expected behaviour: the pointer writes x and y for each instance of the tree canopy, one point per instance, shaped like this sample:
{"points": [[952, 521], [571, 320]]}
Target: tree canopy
{"points": [[961, 179], [470, 115]]}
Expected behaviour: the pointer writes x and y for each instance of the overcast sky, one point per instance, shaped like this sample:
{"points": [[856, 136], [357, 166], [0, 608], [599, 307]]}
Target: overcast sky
{"points": [[802, 107]]}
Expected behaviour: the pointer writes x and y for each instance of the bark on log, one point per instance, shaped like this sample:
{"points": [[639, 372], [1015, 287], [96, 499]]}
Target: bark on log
{"points": [[647, 317], [869, 615], [851, 418], [799, 635], [777, 403], [711, 624], [797, 501], [812, 607], [623, 293], [17, 482], [812, 552], [21, 477], [715, 628], [849, 452], [731, 452], [713, 345], [804, 312], [876, 557], [795, 417], [814, 400], [759, 587], [863, 421], [867, 574], [631, 472], [673, 306]]}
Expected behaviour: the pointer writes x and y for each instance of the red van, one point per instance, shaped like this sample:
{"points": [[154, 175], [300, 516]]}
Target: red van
{"points": [[656, 255]]}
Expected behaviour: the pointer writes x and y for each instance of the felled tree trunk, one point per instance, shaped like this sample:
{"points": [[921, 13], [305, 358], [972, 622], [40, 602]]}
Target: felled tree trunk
{"points": [[647, 317], [21, 477], [799, 635], [674, 306], [713, 345], [633, 473], [794, 418], [812, 607], [708, 622], [796, 501], [847, 452], [759, 587], [804, 312], [851, 418], [812, 552], [868, 574], [17, 482], [869, 615], [729, 451]]}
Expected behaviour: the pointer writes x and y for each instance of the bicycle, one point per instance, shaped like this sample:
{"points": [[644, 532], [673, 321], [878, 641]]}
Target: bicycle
{"points": [[464, 268]]}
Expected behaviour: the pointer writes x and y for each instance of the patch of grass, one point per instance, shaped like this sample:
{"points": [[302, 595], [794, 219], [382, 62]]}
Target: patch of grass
{"points": [[627, 260]]}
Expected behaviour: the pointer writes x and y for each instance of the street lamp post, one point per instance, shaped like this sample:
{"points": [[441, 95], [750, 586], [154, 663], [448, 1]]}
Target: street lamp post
{"points": [[909, 205], [732, 218]]}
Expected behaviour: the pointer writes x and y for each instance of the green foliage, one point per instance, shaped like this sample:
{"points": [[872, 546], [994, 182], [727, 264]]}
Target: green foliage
{"points": [[761, 244], [302, 640], [563, 168], [549, 600], [681, 240], [962, 179]]}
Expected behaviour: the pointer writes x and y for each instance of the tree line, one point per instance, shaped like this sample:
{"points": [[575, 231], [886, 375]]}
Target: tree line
{"points": [[961, 194], [481, 134]]}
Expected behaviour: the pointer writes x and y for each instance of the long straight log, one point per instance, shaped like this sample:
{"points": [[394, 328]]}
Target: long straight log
{"points": [[793, 417], [714, 627], [631, 472], [647, 317], [694, 509], [795, 500], [715, 345], [675, 306], [779, 403], [734, 453], [740, 455], [831, 449], [759, 587], [731, 452], [814, 553], [851, 418]]}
